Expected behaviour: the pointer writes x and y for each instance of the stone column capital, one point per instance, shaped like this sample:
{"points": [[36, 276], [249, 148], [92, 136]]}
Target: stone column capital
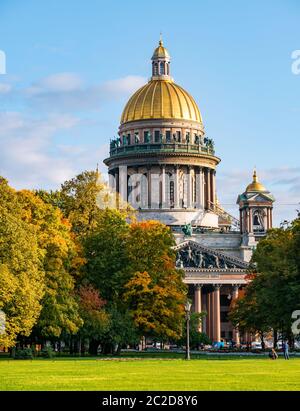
{"points": [[236, 286], [217, 287], [198, 286]]}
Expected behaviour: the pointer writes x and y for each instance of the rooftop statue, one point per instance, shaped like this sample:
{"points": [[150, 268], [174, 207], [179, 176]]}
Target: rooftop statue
{"points": [[136, 138], [209, 142], [147, 137], [187, 229]]}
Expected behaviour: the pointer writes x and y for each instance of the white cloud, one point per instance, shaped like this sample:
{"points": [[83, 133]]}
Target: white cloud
{"points": [[34, 149], [26, 150], [125, 85], [66, 91], [60, 82]]}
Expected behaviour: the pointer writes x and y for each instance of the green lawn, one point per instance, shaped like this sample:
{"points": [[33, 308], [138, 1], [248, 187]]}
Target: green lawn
{"points": [[150, 374]]}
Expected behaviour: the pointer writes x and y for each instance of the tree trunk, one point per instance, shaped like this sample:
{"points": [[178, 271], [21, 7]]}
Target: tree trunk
{"points": [[262, 341], [82, 353], [93, 347], [71, 346], [275, 338], [107, 348], [118, 351]]}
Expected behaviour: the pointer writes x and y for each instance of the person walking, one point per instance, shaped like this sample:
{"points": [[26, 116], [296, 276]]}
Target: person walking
{"points": [[285, 347], [273, 354]]}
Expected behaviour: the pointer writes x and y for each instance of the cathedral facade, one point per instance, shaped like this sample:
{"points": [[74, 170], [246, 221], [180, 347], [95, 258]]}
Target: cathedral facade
{"points": [[163, 164]]}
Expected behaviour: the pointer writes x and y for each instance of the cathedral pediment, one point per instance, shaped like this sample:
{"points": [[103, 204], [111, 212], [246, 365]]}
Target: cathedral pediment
{"points": [[190, 254], [255, 197], [261, 198]]}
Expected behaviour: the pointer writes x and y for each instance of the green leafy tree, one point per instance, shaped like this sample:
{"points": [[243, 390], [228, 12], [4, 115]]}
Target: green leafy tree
{"points": [[274, 290], [155, 292], [197, 338], [106, 256], [106, 269], [121, 331]]}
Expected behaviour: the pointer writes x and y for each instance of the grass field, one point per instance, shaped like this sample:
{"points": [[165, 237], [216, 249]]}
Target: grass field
{"points": [[150, 374]]}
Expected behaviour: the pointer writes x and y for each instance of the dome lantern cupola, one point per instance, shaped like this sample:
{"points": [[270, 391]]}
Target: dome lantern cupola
{"points": [[161, 62]]}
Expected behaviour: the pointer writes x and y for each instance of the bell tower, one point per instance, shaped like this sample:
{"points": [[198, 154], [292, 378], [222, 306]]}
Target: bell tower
{"points": [[256, 205]]}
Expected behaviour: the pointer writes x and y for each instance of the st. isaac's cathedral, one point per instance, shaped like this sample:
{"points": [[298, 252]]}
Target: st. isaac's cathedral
{"points": [[163, 164]]}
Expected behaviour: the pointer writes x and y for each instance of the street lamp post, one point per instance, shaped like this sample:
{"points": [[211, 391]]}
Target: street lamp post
{"points": [[187, 308]]}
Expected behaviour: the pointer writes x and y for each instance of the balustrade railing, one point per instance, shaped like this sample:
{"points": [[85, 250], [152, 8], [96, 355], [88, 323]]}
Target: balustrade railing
{"points": [[161, 147], [235, 223]]}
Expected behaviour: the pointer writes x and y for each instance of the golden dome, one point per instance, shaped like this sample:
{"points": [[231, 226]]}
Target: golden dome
{"points": [[161, 99], [161, 52], [255, 186]]}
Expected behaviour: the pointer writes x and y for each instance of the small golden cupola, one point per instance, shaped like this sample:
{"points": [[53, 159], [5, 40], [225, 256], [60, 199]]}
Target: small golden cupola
{"points": [[161, 62], [255, 186]]}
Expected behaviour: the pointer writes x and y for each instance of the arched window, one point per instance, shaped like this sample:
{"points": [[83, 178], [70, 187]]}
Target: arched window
{"points": [[162, 67], [256, 219], [155, 69], [258, 224]]}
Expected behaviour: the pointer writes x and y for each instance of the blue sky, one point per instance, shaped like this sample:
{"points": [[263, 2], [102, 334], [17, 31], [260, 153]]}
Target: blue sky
{"points": [[72, 65]]}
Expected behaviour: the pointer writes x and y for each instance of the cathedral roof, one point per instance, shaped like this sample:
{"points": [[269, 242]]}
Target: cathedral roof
{"points": [[161, 98], [255, 186], [160, 52]]}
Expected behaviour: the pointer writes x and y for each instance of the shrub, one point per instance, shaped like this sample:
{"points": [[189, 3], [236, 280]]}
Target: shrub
{"points": [[23, 354], [48, 352]]}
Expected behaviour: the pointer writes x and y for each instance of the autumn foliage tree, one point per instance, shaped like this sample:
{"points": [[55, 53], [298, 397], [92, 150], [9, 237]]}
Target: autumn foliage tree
{"points": [[74, 269], [21, 272], [92, 311], [82, 201], [155, 292], [61, 262]]}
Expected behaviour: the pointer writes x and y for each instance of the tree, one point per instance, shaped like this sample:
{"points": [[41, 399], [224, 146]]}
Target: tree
{"points": [[82, 201], [248, 315], [106, 269], [95, 318], [101, 231], [61, 263], [196, 338], [106, 256], [21, 273], [274, 290], [155, 292], [121, 331]]}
